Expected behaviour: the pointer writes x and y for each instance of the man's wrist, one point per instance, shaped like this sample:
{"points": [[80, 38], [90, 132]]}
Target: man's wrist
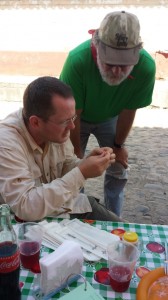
{"points": [[119, 146]]}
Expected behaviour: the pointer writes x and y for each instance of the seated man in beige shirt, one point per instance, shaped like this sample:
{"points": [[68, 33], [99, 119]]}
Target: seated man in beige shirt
{"points": [[39, 173]]}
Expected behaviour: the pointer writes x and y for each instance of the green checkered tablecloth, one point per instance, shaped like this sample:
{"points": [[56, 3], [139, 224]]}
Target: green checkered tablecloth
{"points": [[148, 259]]}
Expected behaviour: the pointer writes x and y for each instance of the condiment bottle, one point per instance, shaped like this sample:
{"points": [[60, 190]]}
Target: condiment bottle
{"points": [[130, 237]]}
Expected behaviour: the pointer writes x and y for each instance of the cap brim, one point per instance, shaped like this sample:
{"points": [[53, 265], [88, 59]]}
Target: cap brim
{"points": [[114, 56]]}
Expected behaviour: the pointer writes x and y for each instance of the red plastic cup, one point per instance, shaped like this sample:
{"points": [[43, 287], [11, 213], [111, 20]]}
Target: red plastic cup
{"points": [[29, 239], [122, 258]]}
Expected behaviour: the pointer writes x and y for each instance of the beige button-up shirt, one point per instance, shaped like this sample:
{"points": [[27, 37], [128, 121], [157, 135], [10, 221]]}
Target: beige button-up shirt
{"points": [[37, 183]]}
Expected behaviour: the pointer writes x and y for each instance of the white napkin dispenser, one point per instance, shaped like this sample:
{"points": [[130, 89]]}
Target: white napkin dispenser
{"points": [[60, 267]]}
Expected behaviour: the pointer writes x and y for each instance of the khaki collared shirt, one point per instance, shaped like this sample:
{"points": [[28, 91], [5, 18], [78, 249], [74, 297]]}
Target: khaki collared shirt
{"points": [[37, 183]]}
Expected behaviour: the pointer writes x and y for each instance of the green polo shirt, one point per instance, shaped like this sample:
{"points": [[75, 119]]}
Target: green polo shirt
{"points": [[98, 100]]}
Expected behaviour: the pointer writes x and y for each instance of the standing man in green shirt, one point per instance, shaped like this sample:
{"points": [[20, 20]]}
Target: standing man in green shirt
{"points": [[111, 76]]}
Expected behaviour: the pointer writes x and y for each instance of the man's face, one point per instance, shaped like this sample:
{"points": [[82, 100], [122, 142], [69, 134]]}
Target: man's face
{"points": [[113, 74], [57, 128]]}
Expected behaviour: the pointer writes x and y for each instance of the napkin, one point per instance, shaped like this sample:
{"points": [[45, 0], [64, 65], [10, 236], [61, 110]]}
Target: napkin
{"points": [[56, 268], [92, 240]]}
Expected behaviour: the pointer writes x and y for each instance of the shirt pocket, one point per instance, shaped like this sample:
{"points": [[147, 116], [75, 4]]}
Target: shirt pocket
{"points": [[56, 170], [37, 176]]}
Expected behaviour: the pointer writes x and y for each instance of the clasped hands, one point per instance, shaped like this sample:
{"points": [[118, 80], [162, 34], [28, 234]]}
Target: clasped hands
{"points": [[98, 160]]}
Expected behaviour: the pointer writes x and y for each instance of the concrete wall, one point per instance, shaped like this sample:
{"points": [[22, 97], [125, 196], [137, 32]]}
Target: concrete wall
{"points": [[78, 3], [13, 93]]}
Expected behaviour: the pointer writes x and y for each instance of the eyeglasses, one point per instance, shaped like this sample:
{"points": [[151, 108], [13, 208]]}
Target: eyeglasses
{"points": [[64, 123]]}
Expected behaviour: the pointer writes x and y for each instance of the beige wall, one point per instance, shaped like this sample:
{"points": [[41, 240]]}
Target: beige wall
{"points": [[79, 3]]}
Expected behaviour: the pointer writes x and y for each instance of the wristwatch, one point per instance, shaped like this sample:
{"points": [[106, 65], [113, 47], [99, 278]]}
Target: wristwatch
{"points": [[119, 146]]}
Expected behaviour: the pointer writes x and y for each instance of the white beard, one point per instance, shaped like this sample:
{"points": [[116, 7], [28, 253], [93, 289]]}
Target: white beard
{"points": [[109, 77]]}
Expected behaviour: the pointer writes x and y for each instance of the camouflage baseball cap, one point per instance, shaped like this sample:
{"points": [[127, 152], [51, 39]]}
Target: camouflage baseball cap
{"points": [[120, 41]]}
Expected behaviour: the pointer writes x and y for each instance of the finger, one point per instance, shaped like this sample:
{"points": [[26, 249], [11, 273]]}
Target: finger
{"points": [[123, 163], [112, 156], [112, 161], [104, 158], [99, 151], [107, 149]]}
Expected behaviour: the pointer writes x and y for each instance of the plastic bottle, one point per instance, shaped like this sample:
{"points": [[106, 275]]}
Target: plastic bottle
{"points": [[9, 258]]}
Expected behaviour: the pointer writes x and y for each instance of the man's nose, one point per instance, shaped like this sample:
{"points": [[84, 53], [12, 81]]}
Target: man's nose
{"points": [[116, 70], [71, 124]]}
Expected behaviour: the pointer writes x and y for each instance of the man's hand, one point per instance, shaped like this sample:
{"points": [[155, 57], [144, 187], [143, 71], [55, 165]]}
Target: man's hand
{"points": [[96, 162], [98, 151], [121, 156], [103, 151]]}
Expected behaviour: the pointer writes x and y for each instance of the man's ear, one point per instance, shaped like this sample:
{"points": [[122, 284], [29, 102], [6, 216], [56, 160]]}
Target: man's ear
{"points": [[34, 122]]}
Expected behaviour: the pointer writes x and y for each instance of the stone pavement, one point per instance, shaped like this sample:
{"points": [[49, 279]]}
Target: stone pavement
{"points": [[146, 192]]}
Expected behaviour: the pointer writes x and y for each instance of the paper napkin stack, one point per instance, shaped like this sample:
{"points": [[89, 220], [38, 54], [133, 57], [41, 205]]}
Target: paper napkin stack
{"points": [[61, 267], [92, 240]]}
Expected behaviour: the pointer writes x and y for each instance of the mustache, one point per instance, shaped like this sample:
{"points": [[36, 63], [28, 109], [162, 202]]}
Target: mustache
{"points": [[109, 77]]}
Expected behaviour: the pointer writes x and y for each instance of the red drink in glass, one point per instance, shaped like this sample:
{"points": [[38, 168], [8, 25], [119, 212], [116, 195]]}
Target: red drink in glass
{"points": [[120, 277], [29, 255]]}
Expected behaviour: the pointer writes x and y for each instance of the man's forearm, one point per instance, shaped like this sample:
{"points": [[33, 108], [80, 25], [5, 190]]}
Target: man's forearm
{"points": [[36, 202], [124, 124]]}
